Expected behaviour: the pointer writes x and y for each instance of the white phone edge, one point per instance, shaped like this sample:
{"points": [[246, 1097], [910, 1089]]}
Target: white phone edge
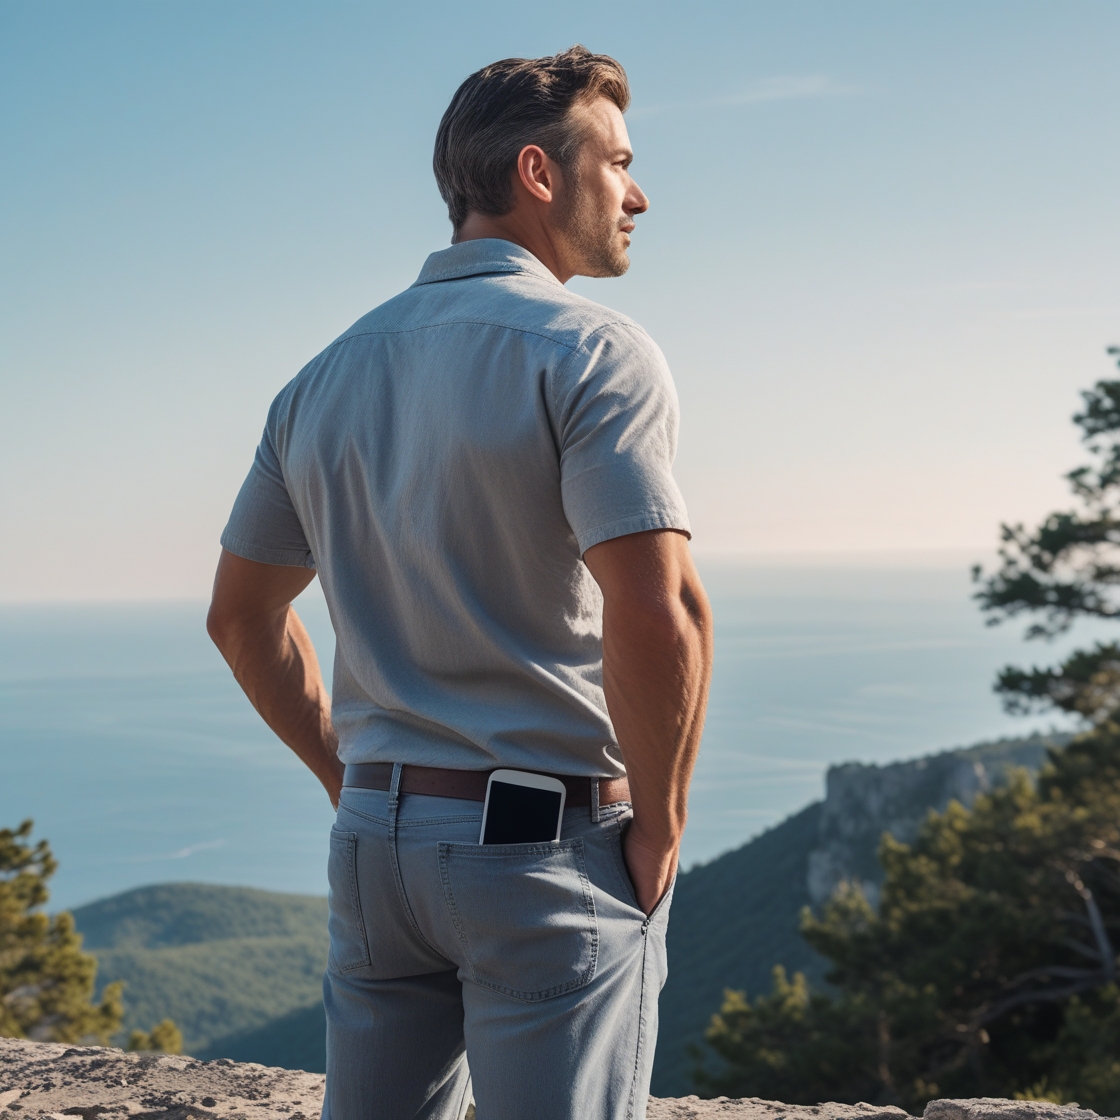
{"points": [[533, 781]]}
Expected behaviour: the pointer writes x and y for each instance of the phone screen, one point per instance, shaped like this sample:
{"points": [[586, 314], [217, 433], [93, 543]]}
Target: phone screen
{"points": [[521, 815]]}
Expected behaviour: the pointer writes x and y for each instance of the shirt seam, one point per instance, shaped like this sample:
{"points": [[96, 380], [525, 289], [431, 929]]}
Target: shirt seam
{"points": [[551, 375], [570, 347]]}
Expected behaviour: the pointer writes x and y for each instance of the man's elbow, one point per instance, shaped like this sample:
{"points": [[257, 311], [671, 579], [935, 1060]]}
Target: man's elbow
{"points": [[225, 627], [217, 625], [681, 621], [694, 603]]}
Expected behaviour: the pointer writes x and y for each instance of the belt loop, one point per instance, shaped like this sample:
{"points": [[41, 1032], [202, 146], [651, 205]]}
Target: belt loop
{"points": [[395, 785], [394, 801], [594, 800]]}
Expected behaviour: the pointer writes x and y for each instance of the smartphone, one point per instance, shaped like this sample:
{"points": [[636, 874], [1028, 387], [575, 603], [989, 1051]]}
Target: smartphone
{"points": [[522, 808]]}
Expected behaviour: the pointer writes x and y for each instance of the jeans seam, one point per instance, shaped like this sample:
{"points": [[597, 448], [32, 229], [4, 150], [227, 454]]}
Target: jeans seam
{"points": [[459, 819], [398, 878], [449, 899], [641, 1028], [364, 816]]}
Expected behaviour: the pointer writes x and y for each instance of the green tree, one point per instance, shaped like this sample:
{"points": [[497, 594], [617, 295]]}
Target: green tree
{"points": [[988, 970], [165, 1037], [793, 1045], [1067, 568], [46, 981]]}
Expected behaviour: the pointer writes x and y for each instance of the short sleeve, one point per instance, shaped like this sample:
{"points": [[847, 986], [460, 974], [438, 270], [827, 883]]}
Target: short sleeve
{"points": [[264, 525], [617, 420]]}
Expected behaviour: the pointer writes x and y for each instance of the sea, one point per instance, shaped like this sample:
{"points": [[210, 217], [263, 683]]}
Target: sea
{"points": [[125, 739]]}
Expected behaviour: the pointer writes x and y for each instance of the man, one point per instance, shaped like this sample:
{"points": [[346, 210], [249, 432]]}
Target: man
{"points": [[479, 472]]}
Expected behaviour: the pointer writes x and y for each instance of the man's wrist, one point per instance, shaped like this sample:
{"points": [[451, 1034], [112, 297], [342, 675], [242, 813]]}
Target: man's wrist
{"points": [[660, 843]]}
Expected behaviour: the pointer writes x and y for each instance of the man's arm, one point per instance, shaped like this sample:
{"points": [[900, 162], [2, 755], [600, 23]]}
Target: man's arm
{"points": [[657, 665], [252, 622]]}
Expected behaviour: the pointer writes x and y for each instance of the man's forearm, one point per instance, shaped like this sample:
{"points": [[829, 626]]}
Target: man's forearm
{"points": [[656, 681], [656, 673], [274, 661], [280, 674], [657, 656]]}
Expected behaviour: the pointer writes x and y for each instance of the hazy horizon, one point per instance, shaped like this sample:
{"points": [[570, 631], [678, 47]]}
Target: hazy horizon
{"points": [[821, 563]]}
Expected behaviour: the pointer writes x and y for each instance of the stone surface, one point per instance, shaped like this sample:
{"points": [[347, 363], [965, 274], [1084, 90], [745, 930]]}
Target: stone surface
{"points": [[996, 1108], [753, 1108], [94, 1083], [45, 1079]]}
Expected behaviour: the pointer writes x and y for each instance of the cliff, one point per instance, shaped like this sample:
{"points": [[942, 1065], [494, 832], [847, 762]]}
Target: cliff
{"points": [[864, 801]]}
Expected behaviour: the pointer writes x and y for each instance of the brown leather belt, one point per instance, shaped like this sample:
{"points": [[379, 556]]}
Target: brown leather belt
{"points": [[470, 785]]}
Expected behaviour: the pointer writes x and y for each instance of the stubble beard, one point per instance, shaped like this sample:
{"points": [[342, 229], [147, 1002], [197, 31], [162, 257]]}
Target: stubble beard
{"points": [[593, 236]]}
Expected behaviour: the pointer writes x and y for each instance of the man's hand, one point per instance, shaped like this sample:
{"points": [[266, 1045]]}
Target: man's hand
{"points": [[651, 867], [657, 664], [252, 622]]}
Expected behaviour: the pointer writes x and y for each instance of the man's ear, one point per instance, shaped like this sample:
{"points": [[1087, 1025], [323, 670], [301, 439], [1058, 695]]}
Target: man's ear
{"points": [[538, 173]]}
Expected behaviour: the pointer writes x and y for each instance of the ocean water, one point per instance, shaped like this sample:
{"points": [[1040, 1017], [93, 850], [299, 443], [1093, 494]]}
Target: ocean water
{"points": [[123, 735]]}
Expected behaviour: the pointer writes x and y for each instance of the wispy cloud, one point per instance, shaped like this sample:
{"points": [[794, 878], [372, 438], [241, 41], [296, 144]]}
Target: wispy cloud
{"points": [[182, 853], [790, 87], [190, 850]]}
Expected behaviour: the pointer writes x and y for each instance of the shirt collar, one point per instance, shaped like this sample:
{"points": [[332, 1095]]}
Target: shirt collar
{"points": [[481, 257]]}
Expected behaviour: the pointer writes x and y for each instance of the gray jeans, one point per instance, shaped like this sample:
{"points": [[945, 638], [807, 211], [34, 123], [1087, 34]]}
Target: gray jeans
{"points": [[532, 961]]}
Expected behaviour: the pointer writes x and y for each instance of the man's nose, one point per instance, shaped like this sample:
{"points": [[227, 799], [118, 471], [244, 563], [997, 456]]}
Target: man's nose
{"points": [[636, 201]]}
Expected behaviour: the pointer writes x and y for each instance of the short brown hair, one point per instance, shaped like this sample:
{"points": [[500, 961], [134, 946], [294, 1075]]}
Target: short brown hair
{"points": [[509, 104]]}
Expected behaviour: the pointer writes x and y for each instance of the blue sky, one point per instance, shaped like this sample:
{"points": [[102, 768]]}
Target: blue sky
{"points": [[880, 256]]}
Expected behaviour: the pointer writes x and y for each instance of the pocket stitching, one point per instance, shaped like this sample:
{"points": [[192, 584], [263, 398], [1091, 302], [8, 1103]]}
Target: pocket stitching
{"points": [[365, 816], [495, 850], [350, 841]]}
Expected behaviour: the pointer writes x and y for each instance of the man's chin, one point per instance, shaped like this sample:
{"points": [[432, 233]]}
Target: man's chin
{"points": [[616, 264]]}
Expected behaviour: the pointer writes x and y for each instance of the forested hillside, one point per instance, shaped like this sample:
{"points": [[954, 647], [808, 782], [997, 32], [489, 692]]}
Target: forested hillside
{"points": [[226, 963]]}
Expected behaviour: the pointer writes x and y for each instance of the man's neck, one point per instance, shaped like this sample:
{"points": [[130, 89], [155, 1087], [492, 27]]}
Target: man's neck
{"points": [[524, 230]]}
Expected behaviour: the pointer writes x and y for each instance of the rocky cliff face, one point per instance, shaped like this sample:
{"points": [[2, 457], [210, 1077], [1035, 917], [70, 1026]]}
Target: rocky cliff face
{"points": [[864, 801]]}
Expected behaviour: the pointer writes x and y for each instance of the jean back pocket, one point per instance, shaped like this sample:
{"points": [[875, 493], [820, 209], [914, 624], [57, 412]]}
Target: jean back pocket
{"points": [[524, 914]]}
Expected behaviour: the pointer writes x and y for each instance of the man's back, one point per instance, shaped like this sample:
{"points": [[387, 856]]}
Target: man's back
{"points": [[479, 471], [444, 465]]}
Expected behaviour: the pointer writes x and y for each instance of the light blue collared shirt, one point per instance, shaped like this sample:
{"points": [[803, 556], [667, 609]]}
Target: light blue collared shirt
{"points": [[444, 465]]}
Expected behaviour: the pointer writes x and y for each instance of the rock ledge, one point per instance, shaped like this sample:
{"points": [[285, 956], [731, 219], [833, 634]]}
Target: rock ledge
{"points": [[44, 1079]]}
